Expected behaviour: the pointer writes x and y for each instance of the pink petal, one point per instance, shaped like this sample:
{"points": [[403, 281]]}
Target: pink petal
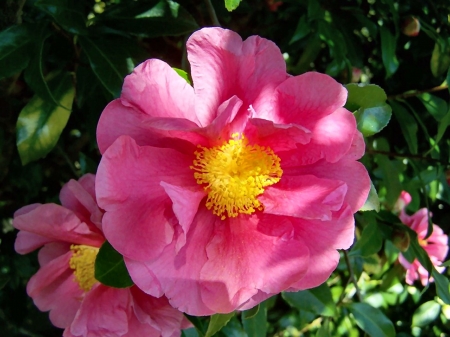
{"points": [[139, 219], [322, 239], [117, 120], [403, 201], [353, 173], [104, 311], [136, 328], [222, 66], [26, 242], [54, 288], [304, 196], [242, 260], [178, 273], [52, 251], [155, 89], [55, 223], [156, 312]]}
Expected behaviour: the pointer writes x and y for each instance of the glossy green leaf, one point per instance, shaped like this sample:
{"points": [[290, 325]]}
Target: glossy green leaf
{"points": [[369, 243], [108, 63], [217, 322], [440, 58], [257, 325], [371, 320], [231, 5], [442, 126], [110, 268], [373, 202], [426, 313], [161, 19], [183, 74], [41, 122], [408, 126], [436, 106], [442, 286], [34, 75], [417, 251], [67, 13], [316, 300], [388, 51], [252, 312], [368, 102], [324, 330], [301, 31], [15, 45], [199, 323]]}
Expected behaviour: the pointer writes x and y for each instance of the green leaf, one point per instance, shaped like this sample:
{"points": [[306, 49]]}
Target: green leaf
{"points": [[436, 106], [257, 325], [252, 312], [388, 46], [67, 13], [372, 113], [217, 322], [34, 75], [161, 19], [369, 243], [416, 250], [183, 74], [40, 123], [301, 31], [107, 62], [440, 58], [426, 313], [372, 320], [4, 279], [198, 323], [391, 179], [231, 5], [442, 126], [110, 268], [442, 286], [373, 202], [316, 300], [15, 44], [408, 125]]}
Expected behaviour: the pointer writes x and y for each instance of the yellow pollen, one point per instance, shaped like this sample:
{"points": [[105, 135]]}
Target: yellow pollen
{"points": [[83, 264], [234, 174]]}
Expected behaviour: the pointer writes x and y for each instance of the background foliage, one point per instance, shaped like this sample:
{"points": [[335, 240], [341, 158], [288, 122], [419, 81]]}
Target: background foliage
{"points": [[62, 61]]}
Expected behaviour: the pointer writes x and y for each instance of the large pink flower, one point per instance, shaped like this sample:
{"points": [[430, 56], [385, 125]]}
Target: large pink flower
{"points": [[65, 285], [436, 245], [244, 185]]}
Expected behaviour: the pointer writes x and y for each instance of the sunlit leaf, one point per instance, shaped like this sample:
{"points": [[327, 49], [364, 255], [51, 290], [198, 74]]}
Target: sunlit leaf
{"points": [[41, 122], [317, 300], [183, 74], [368, 102], [217, 322], [436, 106], [426, 313], [15, 44], [440, 58], [257, 325], [373, 202], [110, 268], [231, 5], [371, 320]]}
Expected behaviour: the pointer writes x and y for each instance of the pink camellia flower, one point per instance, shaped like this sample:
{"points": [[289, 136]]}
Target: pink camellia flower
{"points": [[436, 245], [244, 185], [71, 236]]}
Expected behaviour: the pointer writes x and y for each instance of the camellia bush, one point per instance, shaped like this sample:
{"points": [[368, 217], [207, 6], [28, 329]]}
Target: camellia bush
{"points": [[224, 168]]}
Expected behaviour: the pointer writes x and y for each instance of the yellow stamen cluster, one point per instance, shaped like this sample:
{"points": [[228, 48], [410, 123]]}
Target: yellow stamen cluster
{"points": [[83, 264], [234, 174]]}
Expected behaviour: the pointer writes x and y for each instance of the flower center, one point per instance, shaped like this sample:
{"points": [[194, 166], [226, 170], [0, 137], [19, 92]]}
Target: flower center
{"points": [[234, 174], [83, 264]]}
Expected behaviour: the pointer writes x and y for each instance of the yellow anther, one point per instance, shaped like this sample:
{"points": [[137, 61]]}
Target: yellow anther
{"points": [[83, 264], [235, 174]]}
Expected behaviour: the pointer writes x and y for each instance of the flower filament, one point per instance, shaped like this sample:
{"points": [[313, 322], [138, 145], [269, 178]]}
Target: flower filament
{"points": [[83, 264], [234, 174]]}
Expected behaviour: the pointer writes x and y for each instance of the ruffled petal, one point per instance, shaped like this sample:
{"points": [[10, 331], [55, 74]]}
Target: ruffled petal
{"points": [[322, 239], [55, 223], [304, 196], [104, 311], [353, 173], [276, 261], [222, 65], [178, 274], [54, 288], [139, 219]]}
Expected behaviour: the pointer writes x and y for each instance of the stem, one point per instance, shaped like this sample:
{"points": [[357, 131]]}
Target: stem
{"points": [[417, 92], [352, 276], [212, 13]]}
